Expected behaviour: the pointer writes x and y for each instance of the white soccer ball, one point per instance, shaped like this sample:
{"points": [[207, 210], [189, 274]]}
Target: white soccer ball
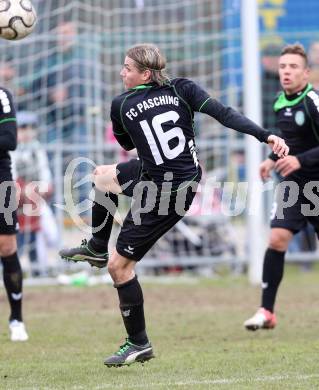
{"points": [[17, 19]]}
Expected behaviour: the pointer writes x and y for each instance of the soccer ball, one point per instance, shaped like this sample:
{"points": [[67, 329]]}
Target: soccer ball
{"points": [[17, 19]]}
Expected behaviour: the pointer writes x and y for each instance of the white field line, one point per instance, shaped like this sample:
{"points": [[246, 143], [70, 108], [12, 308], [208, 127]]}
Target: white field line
{"points": [[222, 381]]}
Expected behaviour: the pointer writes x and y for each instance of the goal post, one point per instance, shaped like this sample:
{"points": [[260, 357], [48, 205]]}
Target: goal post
{"points": [[252, 108]]}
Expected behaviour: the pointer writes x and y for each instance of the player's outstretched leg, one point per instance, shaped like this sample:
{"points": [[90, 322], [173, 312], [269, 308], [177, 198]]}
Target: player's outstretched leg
{"points": [[130, 353]]}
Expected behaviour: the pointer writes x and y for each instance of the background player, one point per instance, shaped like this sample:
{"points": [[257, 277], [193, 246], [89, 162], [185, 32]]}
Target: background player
{"points": [[298, 120], [12, 273]]}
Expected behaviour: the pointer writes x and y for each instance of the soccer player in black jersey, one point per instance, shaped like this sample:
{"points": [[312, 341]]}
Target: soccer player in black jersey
{"points": [[155, 116], [11, 269], [297, 111]]}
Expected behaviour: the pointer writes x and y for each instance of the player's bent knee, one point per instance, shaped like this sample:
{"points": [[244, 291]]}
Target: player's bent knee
{"points": [[279, 239], [120, 268], [8, 245], [115, 268], [102, 170], [105, 178]]}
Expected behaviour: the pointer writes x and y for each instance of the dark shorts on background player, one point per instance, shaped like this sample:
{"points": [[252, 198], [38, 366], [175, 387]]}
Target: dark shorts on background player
{"points": [[294, 218], [8, 215]]}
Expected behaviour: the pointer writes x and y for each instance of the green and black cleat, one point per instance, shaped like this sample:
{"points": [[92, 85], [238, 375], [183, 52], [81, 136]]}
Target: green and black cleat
{"points": [[130, 353], [85, 253]]}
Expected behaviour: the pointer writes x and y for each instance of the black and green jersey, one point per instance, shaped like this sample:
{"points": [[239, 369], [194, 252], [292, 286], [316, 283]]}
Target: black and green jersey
{"points": [[298, 122], [158, 121], [8, 129]]}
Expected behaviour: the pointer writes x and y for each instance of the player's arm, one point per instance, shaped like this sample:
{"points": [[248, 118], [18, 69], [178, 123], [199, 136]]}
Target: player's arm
{"points": [[121, 135], [200, 101], [231, 118], [8, 122]]}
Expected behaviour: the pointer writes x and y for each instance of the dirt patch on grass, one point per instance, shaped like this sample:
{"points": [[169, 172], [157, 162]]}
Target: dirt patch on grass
{"points": [[158, 297], [212, 294]]}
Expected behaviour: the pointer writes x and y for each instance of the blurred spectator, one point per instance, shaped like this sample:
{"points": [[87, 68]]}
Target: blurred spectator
{"points": [[8, 78], [47, 236], [270, 87], [62, 88], [31, 170], [313, 57], [62, 78], [7, 74], [120, 154], [304, 241], [314, 77], [270, 84]]}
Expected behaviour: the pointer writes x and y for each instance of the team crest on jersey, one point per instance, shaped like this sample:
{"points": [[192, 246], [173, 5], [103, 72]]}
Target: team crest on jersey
{"points": [[300, 118]]}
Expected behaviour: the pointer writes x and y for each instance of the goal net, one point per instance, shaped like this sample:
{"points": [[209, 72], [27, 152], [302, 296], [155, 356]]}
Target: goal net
{"points": [[67, 72]]}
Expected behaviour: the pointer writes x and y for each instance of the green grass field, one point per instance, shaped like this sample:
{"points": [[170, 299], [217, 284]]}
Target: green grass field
{"points": [[196, 330]]}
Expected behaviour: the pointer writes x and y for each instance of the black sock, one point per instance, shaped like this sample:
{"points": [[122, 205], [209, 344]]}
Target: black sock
{"points": [[273, 271], [132, 310], [12, 280], [103, 210]]}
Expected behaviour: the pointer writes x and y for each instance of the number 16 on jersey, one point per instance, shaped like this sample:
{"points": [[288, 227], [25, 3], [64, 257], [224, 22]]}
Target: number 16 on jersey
{"points": [[165, 137]]}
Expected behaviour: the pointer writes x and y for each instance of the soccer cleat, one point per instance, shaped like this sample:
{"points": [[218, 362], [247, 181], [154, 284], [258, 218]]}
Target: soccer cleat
{"points": [[130, 353], [85, 253], [17, 331], [263, 319]]}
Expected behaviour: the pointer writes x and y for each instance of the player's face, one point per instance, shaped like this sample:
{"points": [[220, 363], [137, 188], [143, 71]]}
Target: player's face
{"points": [[131, 76], [293, 73], [26, 134]]}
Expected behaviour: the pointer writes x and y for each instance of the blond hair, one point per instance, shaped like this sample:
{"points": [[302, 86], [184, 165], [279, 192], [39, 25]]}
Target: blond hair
{"points": [[148, 57]]}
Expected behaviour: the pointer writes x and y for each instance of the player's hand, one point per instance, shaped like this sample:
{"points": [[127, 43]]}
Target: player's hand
{"points": [[287, 165], [265, 168], [278, 146]]}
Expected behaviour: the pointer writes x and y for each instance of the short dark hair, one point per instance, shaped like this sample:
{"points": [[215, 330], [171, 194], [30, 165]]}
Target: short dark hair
{"points": [[295, 48]]}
